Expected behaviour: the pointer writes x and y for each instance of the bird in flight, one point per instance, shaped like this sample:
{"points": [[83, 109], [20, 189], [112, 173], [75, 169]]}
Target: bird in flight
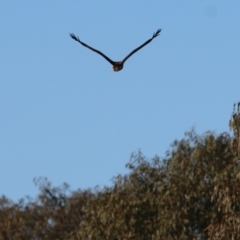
{"points": [[117, 66]]}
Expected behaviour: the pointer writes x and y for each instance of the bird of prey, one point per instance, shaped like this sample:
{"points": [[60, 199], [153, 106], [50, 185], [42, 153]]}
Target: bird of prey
{"points": [[117, 66]]}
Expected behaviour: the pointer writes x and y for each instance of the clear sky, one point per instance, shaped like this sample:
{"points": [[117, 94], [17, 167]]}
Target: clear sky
{"points": [[64, 113]]}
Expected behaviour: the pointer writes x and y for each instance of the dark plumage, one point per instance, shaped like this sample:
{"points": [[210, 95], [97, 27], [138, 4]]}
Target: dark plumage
{"points": [[117, 66]]}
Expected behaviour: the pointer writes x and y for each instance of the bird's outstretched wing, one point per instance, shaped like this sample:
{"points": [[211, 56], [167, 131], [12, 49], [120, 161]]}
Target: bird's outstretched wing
{"points": [[144, 44], [93, 49]]}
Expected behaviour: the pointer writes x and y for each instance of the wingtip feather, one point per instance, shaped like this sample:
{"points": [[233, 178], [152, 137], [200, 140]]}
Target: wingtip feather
{"points": [[157, 33], [74, 37]]}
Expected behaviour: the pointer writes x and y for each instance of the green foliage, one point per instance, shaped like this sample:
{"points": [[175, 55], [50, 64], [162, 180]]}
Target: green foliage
{"points": [[193, 193], [226, 192], [168, 199], [53, 215]]}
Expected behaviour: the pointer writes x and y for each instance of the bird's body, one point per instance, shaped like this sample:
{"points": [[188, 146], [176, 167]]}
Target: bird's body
{"points": [[117, 66]]}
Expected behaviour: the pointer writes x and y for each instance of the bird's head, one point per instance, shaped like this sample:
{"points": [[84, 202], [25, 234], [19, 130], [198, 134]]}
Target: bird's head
{"points": [[118, 66]]}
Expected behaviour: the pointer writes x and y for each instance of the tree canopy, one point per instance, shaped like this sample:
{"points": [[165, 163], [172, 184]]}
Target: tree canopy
{"points": [[191, 193]]}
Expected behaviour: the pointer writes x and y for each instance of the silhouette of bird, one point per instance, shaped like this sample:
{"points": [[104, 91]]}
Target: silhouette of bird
{"points": [[117, 66]]}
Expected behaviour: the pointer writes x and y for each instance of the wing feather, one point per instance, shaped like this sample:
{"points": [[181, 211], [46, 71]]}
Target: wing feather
{"points": [[93, 49], [144, 44]]}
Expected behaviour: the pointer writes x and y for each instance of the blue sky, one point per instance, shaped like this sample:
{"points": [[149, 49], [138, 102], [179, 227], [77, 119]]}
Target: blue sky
{"points": [[67, 116]]}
